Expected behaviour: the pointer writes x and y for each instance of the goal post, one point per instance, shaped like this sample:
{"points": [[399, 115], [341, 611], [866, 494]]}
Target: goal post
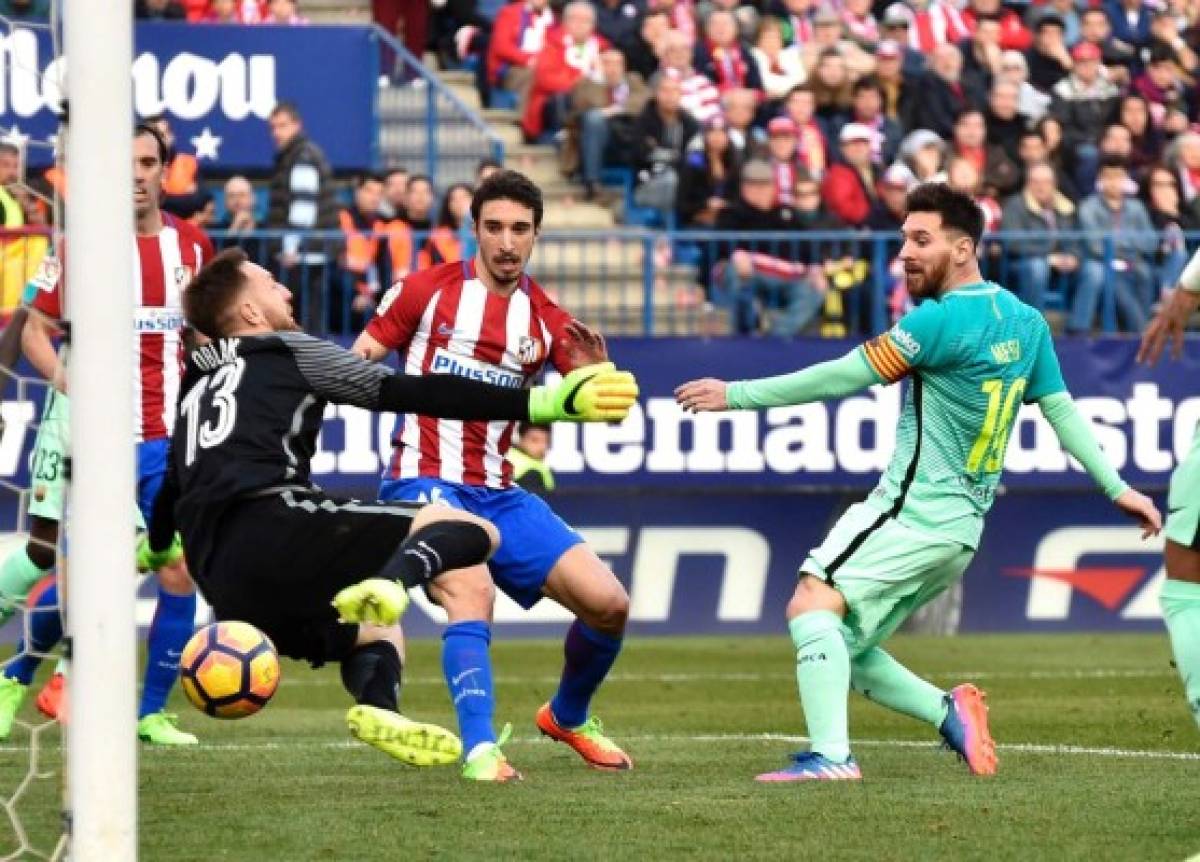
{"points": [[101, 747]]}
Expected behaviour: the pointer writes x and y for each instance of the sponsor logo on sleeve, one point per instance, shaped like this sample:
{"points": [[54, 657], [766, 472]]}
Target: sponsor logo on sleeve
{"points": [[905, 342]]}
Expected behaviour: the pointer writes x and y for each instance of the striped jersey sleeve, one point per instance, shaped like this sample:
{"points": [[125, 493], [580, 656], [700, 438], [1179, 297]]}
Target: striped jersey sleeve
{"points": [[335, 374], [912, 343]]}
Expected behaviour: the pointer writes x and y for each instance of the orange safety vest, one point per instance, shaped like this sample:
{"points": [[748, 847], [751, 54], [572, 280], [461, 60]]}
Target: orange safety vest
{"points": [[443, 246], [362, 249], [180, 175]]}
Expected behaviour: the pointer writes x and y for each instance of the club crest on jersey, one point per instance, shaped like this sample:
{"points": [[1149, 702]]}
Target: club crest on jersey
{"points": [[183, 276], [529, 350]]}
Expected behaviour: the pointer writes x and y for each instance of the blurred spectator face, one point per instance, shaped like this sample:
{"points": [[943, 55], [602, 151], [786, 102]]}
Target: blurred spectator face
{"points": [[418, 199], [760, 194], [223, 10], [239, 196], [612, 66], [1013, 68], [1188, 145], [782, 146], [801, 105], [857, 153], [368, 196], [1164, 190], [987, 32], [1052, 133], [739, 108], [716, 139], [1041, 184], [868, 104], [282, 10], [677, 54], [831, 70], [889, 68], [1116, 141], [894, 196], [1004, 100], [963, 175], [284, 128], [459, 203], [10, 166], [1094, 26], [770, 37], [1032, 149], [655, 29], [947, 62], [721, 29], [969, 130], [395, 184], [1135, 115], [1162, 74], [1087, 71], [667, 95], [827, 33], [1111, 182], [1048, 37], [579, 20], [985, 7], [808, 196], [535, 442]]}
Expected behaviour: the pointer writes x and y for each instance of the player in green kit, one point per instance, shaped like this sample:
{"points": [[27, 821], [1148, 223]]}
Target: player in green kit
{"points": [[1180, 596], [973, 353]]}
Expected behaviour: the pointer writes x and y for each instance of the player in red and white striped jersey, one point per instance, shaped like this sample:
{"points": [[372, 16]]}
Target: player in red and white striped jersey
{"points": [[168, 252], [487, 319]]}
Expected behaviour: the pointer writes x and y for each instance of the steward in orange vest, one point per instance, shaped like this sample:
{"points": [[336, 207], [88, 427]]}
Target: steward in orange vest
{"points": [[378, 252]]}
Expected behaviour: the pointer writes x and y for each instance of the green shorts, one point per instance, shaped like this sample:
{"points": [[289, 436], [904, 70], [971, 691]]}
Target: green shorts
{"points": [[1183, 500], [48, 464], [884, 570]]}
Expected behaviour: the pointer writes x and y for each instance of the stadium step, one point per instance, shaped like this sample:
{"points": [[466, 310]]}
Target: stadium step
{"points": [[337, 11]]}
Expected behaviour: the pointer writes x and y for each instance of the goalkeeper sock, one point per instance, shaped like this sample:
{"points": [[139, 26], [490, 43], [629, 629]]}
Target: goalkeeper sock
{"points": [[372, 672], [589, 657], [18, 574], [879, 677], [467, 667], [45, 631], [823, 676], [436, 548], [1181, 611], [174, 621]]}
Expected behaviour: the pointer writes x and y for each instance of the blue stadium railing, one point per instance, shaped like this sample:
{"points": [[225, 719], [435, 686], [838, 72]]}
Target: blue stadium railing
{"points": [[647, 282]]}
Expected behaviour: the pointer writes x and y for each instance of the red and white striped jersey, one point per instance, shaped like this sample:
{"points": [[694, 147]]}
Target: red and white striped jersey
{"points": [[162, 267], [443, 320]]}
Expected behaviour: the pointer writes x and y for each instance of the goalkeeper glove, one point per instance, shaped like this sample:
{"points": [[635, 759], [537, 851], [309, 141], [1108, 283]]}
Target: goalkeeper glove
{"points": [[152, 561], [593, 393]]}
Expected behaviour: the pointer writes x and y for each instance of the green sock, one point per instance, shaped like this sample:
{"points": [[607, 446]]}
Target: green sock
{"points": [[823, 675], [1181, 611], [879, 677], [18, 574]]}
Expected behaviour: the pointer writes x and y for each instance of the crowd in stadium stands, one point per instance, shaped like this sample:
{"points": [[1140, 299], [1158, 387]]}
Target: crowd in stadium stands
{"points": [[220, 11]]}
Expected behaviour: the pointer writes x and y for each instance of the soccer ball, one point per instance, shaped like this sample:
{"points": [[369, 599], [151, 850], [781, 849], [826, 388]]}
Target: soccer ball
{"points": [[229, 669]]}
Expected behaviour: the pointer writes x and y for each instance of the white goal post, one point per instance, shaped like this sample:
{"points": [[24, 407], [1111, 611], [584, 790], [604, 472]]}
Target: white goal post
{"points": [[101, 748]]}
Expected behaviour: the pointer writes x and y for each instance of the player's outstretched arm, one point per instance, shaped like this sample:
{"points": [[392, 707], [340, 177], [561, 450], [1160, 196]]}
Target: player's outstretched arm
{"points": [[836, 378], [1077, 438]]}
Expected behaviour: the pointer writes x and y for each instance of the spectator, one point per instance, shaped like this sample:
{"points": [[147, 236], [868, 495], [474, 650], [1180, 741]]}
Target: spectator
{"points": [[651, 44], [1048, 58], [935, 23], [1033, 151], [452, 239], [896, 27], [848, 189], [571, 55], [1183, 157], [1130, 21], [982, 54], [1111, 217], [767, 283], [999, 175], [1165, 31], [796, 17], [12, 214], [301, 199], [1052, 134], [1004, 123], [898, 101], [943, 94], [700, 96], [1134, 114], [1012, 34], [800, 107], [961, 174], [518, 36], [830, 85], [1162, 86], [1032, 103], [285, 12], [239, 207], [1116, 143], [723, 57], [832, 260], [889, 209], [859, 24], [924, 154], [418, 203], [1083, 102], [1042, 214], [1171, 219], [708, 178], [159, 10], [485, 169], [827, 36], [1068, 11], [395, 186], [377, 253], [866, 109], [663, 130], [528, 457], [783, 158], [600, 126], [1116, 56], [781, 68], [620, 22], [222, 12], [738, 107]]}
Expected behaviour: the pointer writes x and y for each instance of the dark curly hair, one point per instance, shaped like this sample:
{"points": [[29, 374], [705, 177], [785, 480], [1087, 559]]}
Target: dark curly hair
{"points": [[507, 185], [957, 209]]}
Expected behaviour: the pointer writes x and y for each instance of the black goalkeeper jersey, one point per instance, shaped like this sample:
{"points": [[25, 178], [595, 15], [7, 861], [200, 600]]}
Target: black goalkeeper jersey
{"points": [[249, 415]]}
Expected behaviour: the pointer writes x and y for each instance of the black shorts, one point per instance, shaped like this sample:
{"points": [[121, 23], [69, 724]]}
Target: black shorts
{"points": [[280, 560]]}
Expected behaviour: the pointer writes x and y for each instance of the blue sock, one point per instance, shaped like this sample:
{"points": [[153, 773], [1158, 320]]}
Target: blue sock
{"points": [[174, 620], [45, 630], [589, 657], [468, 670]]}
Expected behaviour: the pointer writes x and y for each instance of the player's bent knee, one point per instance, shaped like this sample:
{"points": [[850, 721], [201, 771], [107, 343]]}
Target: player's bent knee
{"points": [[611, 613], [813, 594]]}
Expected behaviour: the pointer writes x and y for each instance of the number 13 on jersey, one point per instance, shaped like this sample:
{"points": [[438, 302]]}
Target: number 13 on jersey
{"points": [[223, 385]]}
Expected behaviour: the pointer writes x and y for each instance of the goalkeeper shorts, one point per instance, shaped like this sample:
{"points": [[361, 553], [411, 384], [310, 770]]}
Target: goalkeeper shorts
{"points": [[1183, 500], [884, 570]]}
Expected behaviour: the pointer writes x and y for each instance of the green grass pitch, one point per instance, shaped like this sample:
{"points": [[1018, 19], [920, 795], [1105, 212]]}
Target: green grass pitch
{"points": [[1099, 759]]}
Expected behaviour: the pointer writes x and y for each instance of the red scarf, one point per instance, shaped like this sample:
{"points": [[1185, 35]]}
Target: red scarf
{"points": [[730, 66]]}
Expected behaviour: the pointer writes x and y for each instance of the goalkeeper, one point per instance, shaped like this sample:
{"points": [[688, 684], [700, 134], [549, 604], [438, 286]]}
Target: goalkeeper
{"points": [[267, 546]]}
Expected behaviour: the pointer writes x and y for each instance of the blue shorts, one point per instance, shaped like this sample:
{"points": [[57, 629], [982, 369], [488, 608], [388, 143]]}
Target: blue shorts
{"points": [[151, 470], [532, 537]]}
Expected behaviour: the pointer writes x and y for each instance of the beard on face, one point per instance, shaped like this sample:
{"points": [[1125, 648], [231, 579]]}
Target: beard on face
{"points": [[929, 282], [501, 260]]}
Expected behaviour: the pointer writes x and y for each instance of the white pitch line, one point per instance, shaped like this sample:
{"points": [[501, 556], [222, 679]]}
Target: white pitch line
{"points": [[1012, 747]]}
